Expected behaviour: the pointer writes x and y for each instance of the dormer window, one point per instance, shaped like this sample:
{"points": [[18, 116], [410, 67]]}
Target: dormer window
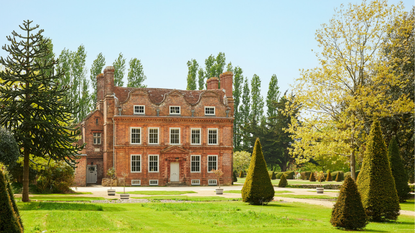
{"points": [[139, 109], [174, 110], [209, 111]]}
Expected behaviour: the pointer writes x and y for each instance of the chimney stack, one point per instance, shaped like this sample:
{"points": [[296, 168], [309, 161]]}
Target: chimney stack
{"points": [[213, 83], [109, 80]]}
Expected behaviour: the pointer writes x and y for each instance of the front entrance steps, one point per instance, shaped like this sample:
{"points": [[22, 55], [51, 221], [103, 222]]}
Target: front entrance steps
{"points": [[176, 184]]}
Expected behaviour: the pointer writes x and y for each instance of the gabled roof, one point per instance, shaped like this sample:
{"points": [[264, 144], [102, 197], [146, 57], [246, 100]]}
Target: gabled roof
{"points": [[158, 95]]}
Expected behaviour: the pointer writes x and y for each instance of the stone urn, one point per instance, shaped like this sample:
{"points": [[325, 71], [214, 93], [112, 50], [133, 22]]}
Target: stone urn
{"points": [[320, 189], [219, 191], [125, 196], [111, 192]]}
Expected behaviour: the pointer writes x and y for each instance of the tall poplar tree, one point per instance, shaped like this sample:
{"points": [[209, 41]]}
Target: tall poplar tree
{"points": [[119, 70], [80, 83], [257, 100], [272, 97], [136, 75], [237, 91], [245, 112], [32, 101], [96, 68], [192, 67], [201, 79]]}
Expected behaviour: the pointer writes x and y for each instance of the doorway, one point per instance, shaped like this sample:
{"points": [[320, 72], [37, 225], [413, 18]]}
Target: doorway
{"points": [[91, 174], [174, 172]]}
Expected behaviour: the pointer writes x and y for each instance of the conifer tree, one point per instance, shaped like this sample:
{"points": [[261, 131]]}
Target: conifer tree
{"points": [[13, 202], [283, 181], [257, 188], [348, 211], [9, 221], [375, 182], [398, 171], [32, 102]]}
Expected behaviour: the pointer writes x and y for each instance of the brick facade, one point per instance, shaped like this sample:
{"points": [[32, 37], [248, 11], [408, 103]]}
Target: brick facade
{"points": [[148, 134]]}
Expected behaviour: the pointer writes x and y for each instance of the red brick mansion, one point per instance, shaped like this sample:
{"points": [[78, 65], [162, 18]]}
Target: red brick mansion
{"points": [[158, 136]]}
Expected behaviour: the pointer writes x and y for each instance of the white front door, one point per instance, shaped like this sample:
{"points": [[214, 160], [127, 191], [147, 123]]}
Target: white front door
{"points": [[91, 174], [174, 172]]}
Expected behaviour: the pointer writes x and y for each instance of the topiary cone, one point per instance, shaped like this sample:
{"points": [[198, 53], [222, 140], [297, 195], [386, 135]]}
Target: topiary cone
{"points": [[257, 188], [348, 212], [375, 182], [329, 178], [283, 181], [398, 171], [13, 202], [312, 177], [8, 219]]}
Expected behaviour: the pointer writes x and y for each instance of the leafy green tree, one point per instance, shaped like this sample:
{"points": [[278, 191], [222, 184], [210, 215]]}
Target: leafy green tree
{"points": [[241, 160], [375, 181], [237, 91], [229, 67], [209, 63], [32, 103], [192, 66], [119, 70], [9, 151], [80, 83], [257, 188], [398, 172], [136, 75], [96, 68], [348, 211]]}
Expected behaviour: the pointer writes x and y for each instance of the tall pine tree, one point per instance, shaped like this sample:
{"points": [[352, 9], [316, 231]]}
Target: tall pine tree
{"points": [[32, 102]]}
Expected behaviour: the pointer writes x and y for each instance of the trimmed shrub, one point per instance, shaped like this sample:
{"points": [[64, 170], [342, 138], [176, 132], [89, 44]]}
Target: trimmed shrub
{"points": [[234, 176], [411, 177], [9, 222], [312, 177], [241, 174], [11, 195], [278, 175], [375, 182], [339, 176], [348, 212], [348, 174], [273, 177], [305, 175], [283, 182], [56, 179], [258, 187], [289, 174], [329, 176], [398, 171]]}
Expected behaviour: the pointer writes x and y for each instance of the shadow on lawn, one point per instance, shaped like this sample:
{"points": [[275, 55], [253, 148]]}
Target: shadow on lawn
{"points": [[59, 206]]}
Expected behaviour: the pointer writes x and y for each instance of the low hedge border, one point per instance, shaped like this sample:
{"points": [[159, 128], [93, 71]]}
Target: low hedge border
{"points": [[312, 186]]}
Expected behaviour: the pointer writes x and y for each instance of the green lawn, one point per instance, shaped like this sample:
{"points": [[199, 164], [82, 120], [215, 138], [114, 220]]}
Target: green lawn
{"points": [[225, 216], [54, 197], [239, 191], [158, 192], [187, 198], [306, 196], [408, 205]]}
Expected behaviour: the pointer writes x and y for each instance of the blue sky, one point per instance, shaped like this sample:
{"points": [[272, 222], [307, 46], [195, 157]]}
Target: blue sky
{"points": [[261, 37]]}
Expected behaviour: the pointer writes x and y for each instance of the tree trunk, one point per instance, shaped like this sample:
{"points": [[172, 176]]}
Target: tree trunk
{"points": [[353, 166], [25, 191]]}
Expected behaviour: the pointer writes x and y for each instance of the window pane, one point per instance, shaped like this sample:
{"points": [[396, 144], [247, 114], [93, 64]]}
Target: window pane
{"points": [[153, 136], [135, 135], [213, 136], [135, 163], [212, 163], [174, 136], [195, 136], [195, 163], [153, 163]]}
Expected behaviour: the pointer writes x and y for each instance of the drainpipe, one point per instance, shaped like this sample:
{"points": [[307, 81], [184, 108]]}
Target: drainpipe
{"points": [[113, 144]]}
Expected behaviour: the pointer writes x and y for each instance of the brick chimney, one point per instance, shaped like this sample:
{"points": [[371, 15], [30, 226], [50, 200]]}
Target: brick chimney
{"points": [[109, 80], [100, 90], [213, 83], [226, 83]]}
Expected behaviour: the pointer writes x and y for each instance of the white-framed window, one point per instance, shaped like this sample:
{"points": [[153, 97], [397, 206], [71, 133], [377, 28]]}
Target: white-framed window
{"points": [[213, 137], [209, 110], [135, 163], [212, 182], [195, 182], [195, 138], [97, 138], [212, 162], [135, 135], [153, 163], [174, 110], [174, 136], [135, 182], [153, 182], [153, 135], [140, 109], [195, 164]]}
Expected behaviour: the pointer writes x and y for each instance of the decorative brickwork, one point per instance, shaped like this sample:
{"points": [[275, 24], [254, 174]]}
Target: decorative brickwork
{"points": [[153, 134]]}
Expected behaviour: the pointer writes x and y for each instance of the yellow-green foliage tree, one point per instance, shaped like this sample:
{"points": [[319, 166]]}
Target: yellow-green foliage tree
{"points": [[375, 183], [341, 96], [257, 187], [241, 160]]}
